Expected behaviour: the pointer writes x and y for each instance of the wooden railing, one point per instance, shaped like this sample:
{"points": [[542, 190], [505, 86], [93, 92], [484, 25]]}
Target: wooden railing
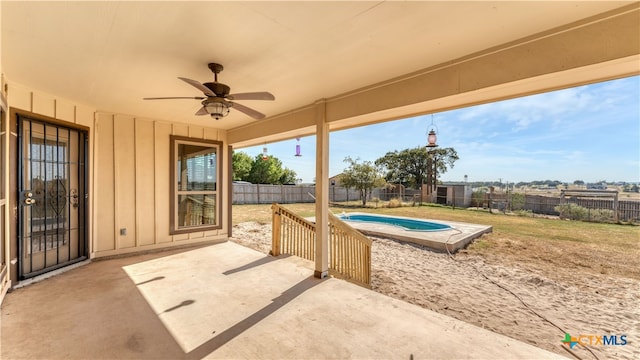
{"points": [[292, 234], [349, 250]]}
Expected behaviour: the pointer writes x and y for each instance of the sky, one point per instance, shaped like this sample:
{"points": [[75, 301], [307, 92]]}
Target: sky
{"points": [[589, 133]]}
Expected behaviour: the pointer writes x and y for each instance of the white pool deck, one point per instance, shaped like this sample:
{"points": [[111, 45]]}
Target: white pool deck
{"points": [[454, 239]]}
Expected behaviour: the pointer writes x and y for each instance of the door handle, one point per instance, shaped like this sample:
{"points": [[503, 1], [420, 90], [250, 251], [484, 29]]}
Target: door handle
{"points": [[74, 198], [28, 198]]}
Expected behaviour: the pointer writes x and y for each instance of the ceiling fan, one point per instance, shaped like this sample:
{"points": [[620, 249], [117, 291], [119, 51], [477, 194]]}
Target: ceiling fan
{"points": [[217, 100]]}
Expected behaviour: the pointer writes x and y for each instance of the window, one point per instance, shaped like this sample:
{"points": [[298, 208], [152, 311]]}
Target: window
{"points": [[195, 185]]}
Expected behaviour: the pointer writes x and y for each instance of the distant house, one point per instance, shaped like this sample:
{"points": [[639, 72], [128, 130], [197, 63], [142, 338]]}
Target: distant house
{"points": [[335, 180], [598, 186], [454, 194]]}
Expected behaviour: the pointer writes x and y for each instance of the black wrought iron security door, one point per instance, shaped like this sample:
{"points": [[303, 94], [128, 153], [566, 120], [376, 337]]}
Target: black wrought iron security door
{"points": [[52, 183]]}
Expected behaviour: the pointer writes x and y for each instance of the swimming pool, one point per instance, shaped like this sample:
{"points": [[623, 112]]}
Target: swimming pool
{"points": [[405, 223]]}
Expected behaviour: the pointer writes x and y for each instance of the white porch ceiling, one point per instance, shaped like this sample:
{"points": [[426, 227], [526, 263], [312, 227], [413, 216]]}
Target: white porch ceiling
{"points": [[111, 54]]}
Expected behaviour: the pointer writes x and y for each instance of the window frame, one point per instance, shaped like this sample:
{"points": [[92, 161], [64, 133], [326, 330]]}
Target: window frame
{"points": [[174, 228], [4, 248]]}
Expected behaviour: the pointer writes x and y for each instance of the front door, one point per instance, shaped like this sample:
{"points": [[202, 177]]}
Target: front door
{"points": [[52, 196]]}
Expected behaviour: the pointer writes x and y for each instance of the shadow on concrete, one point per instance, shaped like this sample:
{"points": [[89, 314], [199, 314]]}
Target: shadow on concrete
{"points": [[256, 263], [242, 326], [184, 303], [150, 280]]}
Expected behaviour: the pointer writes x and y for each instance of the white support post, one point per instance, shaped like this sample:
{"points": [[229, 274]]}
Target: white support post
{"points": [[322, 192]]}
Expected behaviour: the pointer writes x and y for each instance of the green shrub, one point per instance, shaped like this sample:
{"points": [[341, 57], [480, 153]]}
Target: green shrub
{"points": [[517, 201], [601, 215], [477, 198], [572, 212], [394, 203], [576, 212]]}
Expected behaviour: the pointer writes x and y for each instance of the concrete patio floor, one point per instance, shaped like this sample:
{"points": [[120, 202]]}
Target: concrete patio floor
{"points": [[228, 301]]}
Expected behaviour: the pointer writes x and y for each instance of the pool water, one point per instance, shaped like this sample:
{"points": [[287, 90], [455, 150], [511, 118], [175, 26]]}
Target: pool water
{"points": [[407, 224]]}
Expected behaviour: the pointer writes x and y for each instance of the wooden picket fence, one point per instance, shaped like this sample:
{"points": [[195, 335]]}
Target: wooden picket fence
{"points": [[349, 250]]}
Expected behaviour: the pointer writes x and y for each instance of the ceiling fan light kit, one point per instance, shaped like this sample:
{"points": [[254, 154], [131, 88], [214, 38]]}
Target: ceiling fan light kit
{"points": [[216, 101], [217, 108]]}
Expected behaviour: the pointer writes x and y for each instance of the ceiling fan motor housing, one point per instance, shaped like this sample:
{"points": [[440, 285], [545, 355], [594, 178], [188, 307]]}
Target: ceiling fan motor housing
{"points": [[219, 89]]}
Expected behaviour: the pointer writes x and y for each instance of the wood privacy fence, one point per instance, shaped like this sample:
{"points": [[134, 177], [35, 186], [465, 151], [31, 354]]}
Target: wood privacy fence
{"points": [[289, 194], [349, 250]]}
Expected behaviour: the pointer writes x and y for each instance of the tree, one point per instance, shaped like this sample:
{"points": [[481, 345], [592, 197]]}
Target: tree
{"points": [[363, 177], [242, 164], [407, 167], [265, 171], [410, 167], [259, 171], [288, 176]]}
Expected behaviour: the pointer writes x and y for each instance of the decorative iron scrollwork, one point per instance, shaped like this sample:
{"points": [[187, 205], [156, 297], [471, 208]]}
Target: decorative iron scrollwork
{"points": [[57, 194]]}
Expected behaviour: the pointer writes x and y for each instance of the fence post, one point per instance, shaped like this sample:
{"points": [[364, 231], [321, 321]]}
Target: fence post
{"points": [[453, 195], [275, 230]]}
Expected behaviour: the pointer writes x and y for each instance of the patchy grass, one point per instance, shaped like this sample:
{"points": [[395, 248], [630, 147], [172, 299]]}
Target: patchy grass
{"points": [[482, 244], [262, 213], [559, 248]]}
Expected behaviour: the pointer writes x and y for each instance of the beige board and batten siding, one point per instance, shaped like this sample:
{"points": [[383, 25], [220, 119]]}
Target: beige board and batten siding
{"points": [[132, 172], [40, 103], [129, 173]]}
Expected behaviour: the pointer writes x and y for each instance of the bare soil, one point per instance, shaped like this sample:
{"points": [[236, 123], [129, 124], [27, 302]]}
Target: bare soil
{"points": [[505, 283]]}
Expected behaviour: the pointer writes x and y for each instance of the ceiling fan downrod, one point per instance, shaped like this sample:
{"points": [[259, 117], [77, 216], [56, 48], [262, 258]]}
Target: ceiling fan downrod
{"points": [[216, 69]]}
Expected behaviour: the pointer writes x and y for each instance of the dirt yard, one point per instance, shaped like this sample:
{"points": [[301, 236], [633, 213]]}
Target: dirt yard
{"points": [[531, 292]]}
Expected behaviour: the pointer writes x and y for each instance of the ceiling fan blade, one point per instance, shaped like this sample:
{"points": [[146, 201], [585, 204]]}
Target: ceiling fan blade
{"points": [[260, 95], [199, 86], [253, 113], [202, 111], [175, 97]]}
